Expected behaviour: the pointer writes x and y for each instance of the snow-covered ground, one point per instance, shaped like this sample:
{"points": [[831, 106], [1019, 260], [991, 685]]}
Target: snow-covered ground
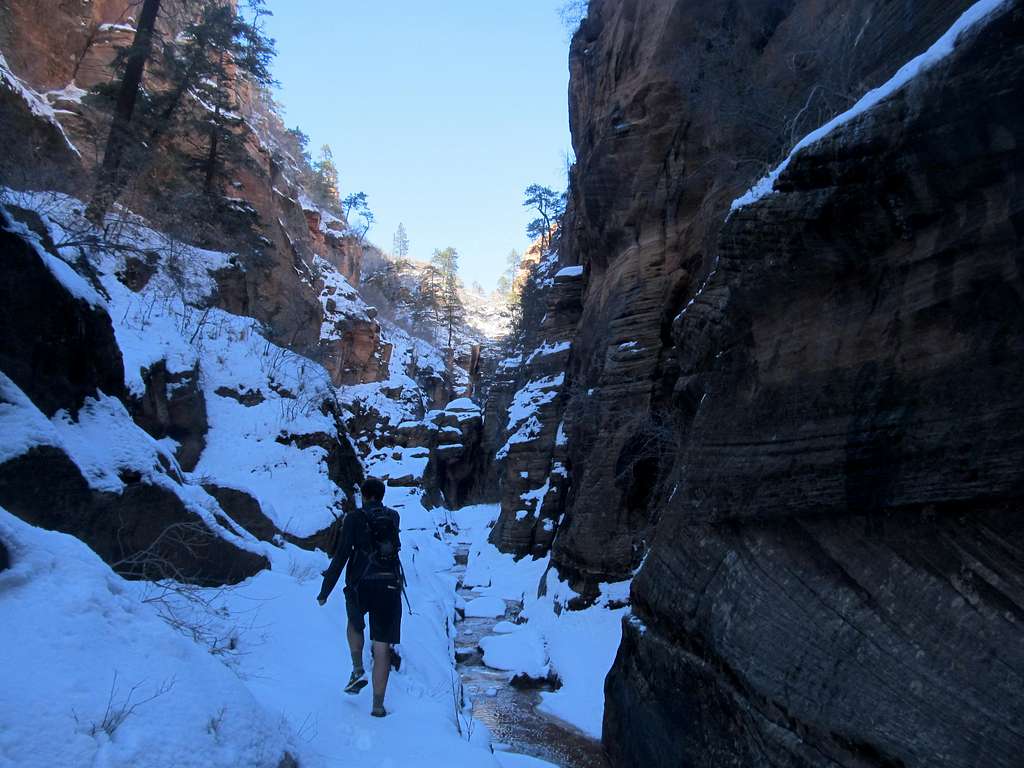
{"points": [[107, 672], [576, 646], [93, 676]]}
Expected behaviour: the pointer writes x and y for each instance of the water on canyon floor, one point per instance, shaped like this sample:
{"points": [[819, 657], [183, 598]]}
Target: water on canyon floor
{"points": [[511, 712]]}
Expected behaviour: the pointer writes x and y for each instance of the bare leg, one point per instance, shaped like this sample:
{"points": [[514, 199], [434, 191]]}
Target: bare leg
{"points": [[355, 645], [381, 671]]}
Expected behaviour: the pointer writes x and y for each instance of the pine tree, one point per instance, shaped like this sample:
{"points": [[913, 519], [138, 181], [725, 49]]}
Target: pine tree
{"points": [[550, 206], [235, 50], [400, 244], [426, 312], [204, 67], [452, 312], [111, 178], [355, 205], [325, 181]]}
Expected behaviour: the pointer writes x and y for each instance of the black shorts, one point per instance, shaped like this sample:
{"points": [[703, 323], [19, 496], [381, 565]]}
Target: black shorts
{"points": [[382, 599]]}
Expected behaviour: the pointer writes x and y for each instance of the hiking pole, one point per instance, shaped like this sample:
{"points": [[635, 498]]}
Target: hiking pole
{"points": [[401, 570]]}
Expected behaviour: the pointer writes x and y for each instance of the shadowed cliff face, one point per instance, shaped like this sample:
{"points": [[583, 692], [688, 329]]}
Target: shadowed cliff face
{"points": [[676, 108], [835, 576]]}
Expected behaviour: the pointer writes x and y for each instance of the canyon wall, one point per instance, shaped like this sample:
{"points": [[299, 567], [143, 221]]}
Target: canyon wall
{"points": [[290, 251], [796, 424]]}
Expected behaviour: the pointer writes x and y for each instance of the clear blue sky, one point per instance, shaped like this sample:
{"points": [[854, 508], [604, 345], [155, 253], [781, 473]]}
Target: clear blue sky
{"points": [[441, 112]]}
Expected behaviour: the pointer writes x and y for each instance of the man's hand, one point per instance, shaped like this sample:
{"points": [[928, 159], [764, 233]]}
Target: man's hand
{"points": [[322, 600]]}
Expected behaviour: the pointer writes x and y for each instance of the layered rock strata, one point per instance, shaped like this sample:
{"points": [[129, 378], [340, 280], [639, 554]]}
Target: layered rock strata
{"points": [[531, 460], [675, 109], [835, 575]]}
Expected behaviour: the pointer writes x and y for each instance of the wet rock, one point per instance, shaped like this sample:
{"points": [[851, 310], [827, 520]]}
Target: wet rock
{"points": [[174, 406], [469, 655], [144, 532], [457, 457], [524, 682], [57, 348]]}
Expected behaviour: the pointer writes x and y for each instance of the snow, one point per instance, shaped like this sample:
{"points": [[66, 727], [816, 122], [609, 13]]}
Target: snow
{"points": [[76, 636], [510, 760], [70, 92], [104, 441], [546, 349], [341, 302], [22, 425], [75, 284], [939, 50], [521, 652], [580, 644], [523, 423], [485, 608], [159, 323], [569, 272], [36, 103], [278, 690], [116, 28]]}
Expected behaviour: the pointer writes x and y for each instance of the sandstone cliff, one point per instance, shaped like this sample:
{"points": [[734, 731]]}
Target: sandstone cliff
{"points": [[798, 420], [292, 254]]}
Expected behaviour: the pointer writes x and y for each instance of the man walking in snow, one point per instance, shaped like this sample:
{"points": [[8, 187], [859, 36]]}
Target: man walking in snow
{"points": [[369, 546]]}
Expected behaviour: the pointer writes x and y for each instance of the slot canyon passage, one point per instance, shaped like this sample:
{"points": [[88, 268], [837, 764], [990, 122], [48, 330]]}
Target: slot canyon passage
{"points": [[728, 472]]}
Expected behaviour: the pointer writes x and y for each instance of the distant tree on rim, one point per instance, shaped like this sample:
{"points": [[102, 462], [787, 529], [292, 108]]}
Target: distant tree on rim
{"points": [[400, 244], [549, 206], [452, 312]]}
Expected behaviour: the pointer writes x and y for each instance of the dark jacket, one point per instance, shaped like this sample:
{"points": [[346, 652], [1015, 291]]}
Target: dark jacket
{"points": [[353, 548]]}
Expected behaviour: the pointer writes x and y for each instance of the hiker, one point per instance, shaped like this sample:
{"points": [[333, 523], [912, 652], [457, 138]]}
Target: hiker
{"points": [[374, 581]]}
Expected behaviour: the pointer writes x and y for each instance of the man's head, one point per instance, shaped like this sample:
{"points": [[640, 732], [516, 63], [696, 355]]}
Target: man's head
{"points": [[373, 490]]}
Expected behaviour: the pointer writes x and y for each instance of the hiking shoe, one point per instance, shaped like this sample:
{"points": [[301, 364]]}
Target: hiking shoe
{"points": [[356, 682], [378, 710]]}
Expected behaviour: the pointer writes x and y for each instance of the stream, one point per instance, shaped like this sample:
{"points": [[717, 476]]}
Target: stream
{"points": [[509, 712]]}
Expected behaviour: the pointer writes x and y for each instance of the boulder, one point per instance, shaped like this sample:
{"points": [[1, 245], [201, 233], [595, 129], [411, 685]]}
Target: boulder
{"points": [[174, 406], [343, 465], [242, 395], [244, 510], [58, 348], [144, 532]]}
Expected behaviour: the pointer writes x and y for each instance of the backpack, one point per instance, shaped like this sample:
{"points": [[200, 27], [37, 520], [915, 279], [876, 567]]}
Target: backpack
{"points": [[384, 541]]}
